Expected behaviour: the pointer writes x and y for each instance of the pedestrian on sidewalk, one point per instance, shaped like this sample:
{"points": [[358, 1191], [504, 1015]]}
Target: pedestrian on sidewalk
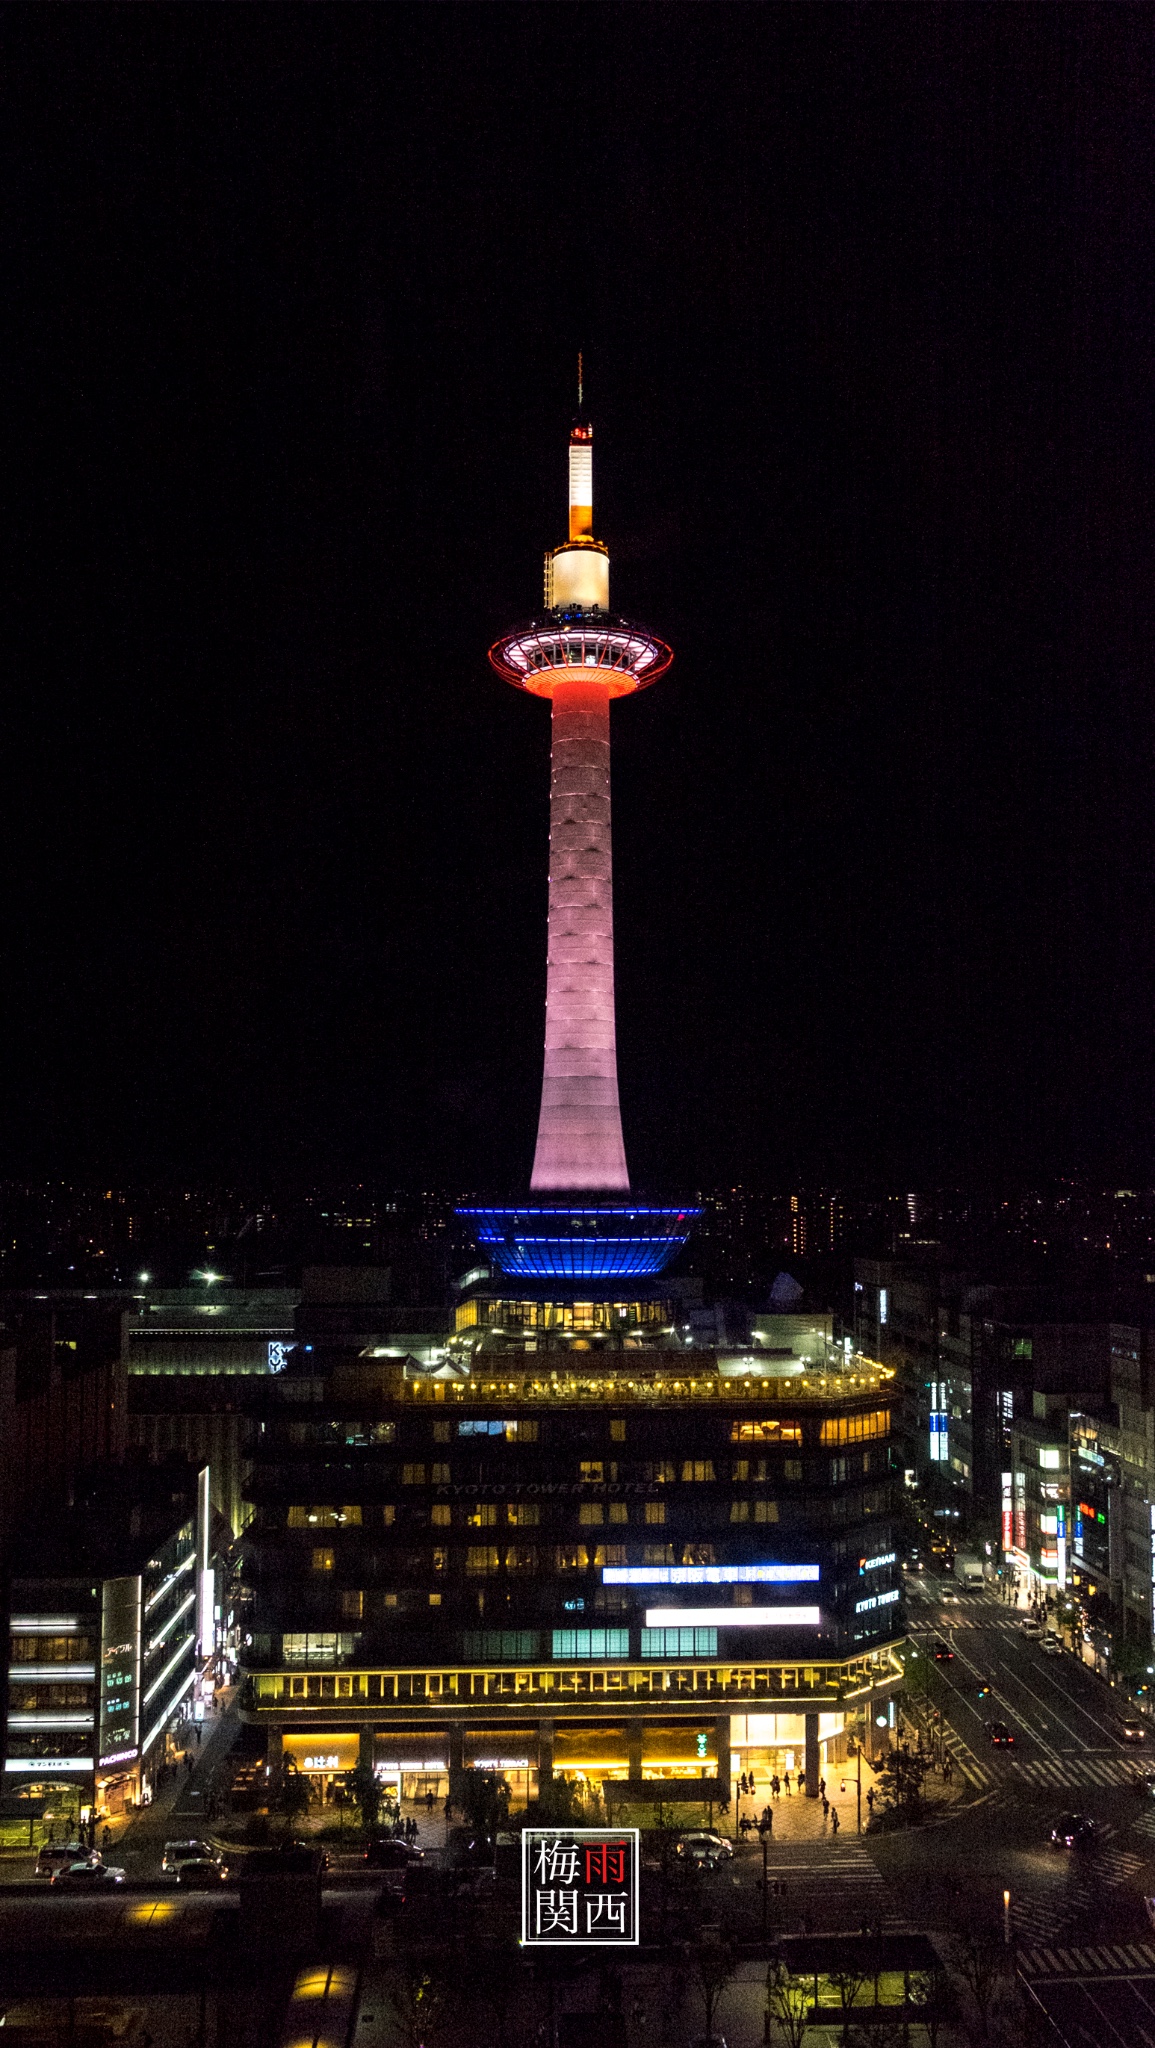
{"points": [[786, 1782], [822, 1788], [767, 1817], [870, 1800], [825, 1807], [835, 1823], [775, 1786]]}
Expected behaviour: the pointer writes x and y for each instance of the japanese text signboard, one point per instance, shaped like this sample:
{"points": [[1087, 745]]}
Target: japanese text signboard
{"points": [[579, 1887]]}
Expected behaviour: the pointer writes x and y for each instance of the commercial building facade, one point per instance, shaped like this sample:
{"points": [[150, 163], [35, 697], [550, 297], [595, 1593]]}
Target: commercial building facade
{"points": [[633, 1569], [108, 1605]]}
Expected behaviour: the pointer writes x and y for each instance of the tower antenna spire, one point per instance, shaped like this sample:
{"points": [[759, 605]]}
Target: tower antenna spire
{"points": [[579, 380]]}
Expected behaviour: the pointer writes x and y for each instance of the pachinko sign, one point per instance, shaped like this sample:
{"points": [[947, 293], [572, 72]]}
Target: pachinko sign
{"points": [[579, 1887]]}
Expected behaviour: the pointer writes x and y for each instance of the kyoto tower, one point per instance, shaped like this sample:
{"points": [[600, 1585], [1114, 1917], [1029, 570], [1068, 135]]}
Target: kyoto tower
{"points": [[580, 655]]}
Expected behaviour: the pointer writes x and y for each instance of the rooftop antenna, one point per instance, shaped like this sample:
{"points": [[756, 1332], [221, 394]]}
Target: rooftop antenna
{"points": [[579, 380]]}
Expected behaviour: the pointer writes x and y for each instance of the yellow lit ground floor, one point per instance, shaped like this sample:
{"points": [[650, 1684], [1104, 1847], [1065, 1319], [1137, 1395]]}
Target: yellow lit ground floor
{"points": [[684, 1756]]}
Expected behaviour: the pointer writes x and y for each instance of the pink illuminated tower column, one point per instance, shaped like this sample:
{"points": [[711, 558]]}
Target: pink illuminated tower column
{"points": [[580, 656]]}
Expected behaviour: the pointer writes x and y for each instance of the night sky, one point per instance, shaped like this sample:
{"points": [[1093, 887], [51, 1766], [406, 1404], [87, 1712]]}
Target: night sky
{"points": [[291, 303]]}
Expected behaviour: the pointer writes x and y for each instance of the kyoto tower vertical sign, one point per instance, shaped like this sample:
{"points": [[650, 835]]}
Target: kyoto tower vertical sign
{"points": [[579, 1887]]}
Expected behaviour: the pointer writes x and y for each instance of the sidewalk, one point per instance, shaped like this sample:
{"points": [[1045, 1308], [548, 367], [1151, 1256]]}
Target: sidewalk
{"points": [[177, 1808]]}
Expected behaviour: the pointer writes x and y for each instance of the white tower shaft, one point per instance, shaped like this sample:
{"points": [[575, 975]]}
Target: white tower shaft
{"points": [[579, 1136]]}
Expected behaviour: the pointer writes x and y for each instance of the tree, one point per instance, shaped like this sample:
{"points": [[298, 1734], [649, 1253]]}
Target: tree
{"points": [[419, 2002], [558, 1805], [484, 1801], [714, 1965], [979, 1959], [900, 1780], [365, 1786], [848, 1983], [788, 2002], [927, 2002], [296, 1793]]}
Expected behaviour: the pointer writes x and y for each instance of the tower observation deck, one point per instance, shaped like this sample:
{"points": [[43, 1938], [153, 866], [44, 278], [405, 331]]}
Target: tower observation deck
{"points": [[581, 656]]}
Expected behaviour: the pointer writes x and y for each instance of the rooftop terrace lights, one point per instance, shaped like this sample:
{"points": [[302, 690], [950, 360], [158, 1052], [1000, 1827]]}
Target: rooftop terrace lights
{"points": [[522, 1380]]}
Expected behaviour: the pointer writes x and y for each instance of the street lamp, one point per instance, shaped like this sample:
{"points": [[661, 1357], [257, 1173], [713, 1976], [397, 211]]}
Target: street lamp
{"points": [[856, 1753]]}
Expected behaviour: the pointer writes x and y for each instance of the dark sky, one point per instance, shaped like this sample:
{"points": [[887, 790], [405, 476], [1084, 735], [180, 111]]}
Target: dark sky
{"points": [[291, 300]]}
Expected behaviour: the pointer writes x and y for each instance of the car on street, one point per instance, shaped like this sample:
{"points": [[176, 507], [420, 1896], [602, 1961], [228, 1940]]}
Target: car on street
{"points": [[943, 1654], [57, 1855], [1074, 1831], [1000, 1735], [87, 1877], [201, 1873], [1051, 1645], [389, 1852], [192, 1850], [1146, 1784], [704, 1847], [1031, 1627], [1132, 1728]]}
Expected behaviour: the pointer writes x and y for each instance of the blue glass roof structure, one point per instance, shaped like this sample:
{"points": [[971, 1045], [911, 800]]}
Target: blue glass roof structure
{"points": [[581, 1240]]}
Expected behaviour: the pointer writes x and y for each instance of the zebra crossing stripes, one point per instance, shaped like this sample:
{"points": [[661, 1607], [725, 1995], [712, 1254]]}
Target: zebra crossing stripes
{"points": [[966, 1762], [1059, 1774], [1119, 1959], [835, 1884]]}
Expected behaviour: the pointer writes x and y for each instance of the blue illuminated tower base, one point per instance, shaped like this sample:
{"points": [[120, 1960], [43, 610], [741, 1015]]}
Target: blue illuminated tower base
{"points": [[583, 1240]]}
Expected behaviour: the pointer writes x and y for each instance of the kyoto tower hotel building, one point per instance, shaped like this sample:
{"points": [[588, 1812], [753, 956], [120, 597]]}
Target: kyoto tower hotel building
{"points": [[576, 1543]]}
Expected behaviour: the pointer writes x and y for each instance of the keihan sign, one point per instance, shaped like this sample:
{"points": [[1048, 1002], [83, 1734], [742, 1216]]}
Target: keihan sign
{"points": [[579, 1887]]}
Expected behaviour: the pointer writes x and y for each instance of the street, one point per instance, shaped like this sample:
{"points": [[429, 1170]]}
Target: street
{"points": [[1068, 1755]]}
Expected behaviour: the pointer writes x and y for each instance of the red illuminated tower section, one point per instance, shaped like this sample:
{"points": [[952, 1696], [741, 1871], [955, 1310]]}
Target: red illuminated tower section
{"points": [[580, 656]]}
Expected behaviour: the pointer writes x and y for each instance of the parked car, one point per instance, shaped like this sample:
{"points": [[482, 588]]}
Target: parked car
{"points": [[191, 1851], [1000, 1735], [702, 1846], [87, 1877], [943, 1654], [389, 1852], [201, 1873], [57, 1855], [1074, 1831], [1132, 1728]]}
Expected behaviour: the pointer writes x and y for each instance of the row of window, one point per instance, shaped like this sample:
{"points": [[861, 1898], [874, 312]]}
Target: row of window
{"points": [[29, 1699], [594, 1514], [485, 1558], [744, 1471], [52, 1650], [839, 1429]]}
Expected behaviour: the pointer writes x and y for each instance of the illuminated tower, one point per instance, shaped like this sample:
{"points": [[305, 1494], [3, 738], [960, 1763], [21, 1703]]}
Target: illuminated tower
{"points": [[581, 656]]}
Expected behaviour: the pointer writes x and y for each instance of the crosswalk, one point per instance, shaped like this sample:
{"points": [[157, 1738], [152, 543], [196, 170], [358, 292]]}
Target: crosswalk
{"points": [[833, 1885], [965, 1761], [1046, 1913], [1061, 1773], [1119, 1959]]}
